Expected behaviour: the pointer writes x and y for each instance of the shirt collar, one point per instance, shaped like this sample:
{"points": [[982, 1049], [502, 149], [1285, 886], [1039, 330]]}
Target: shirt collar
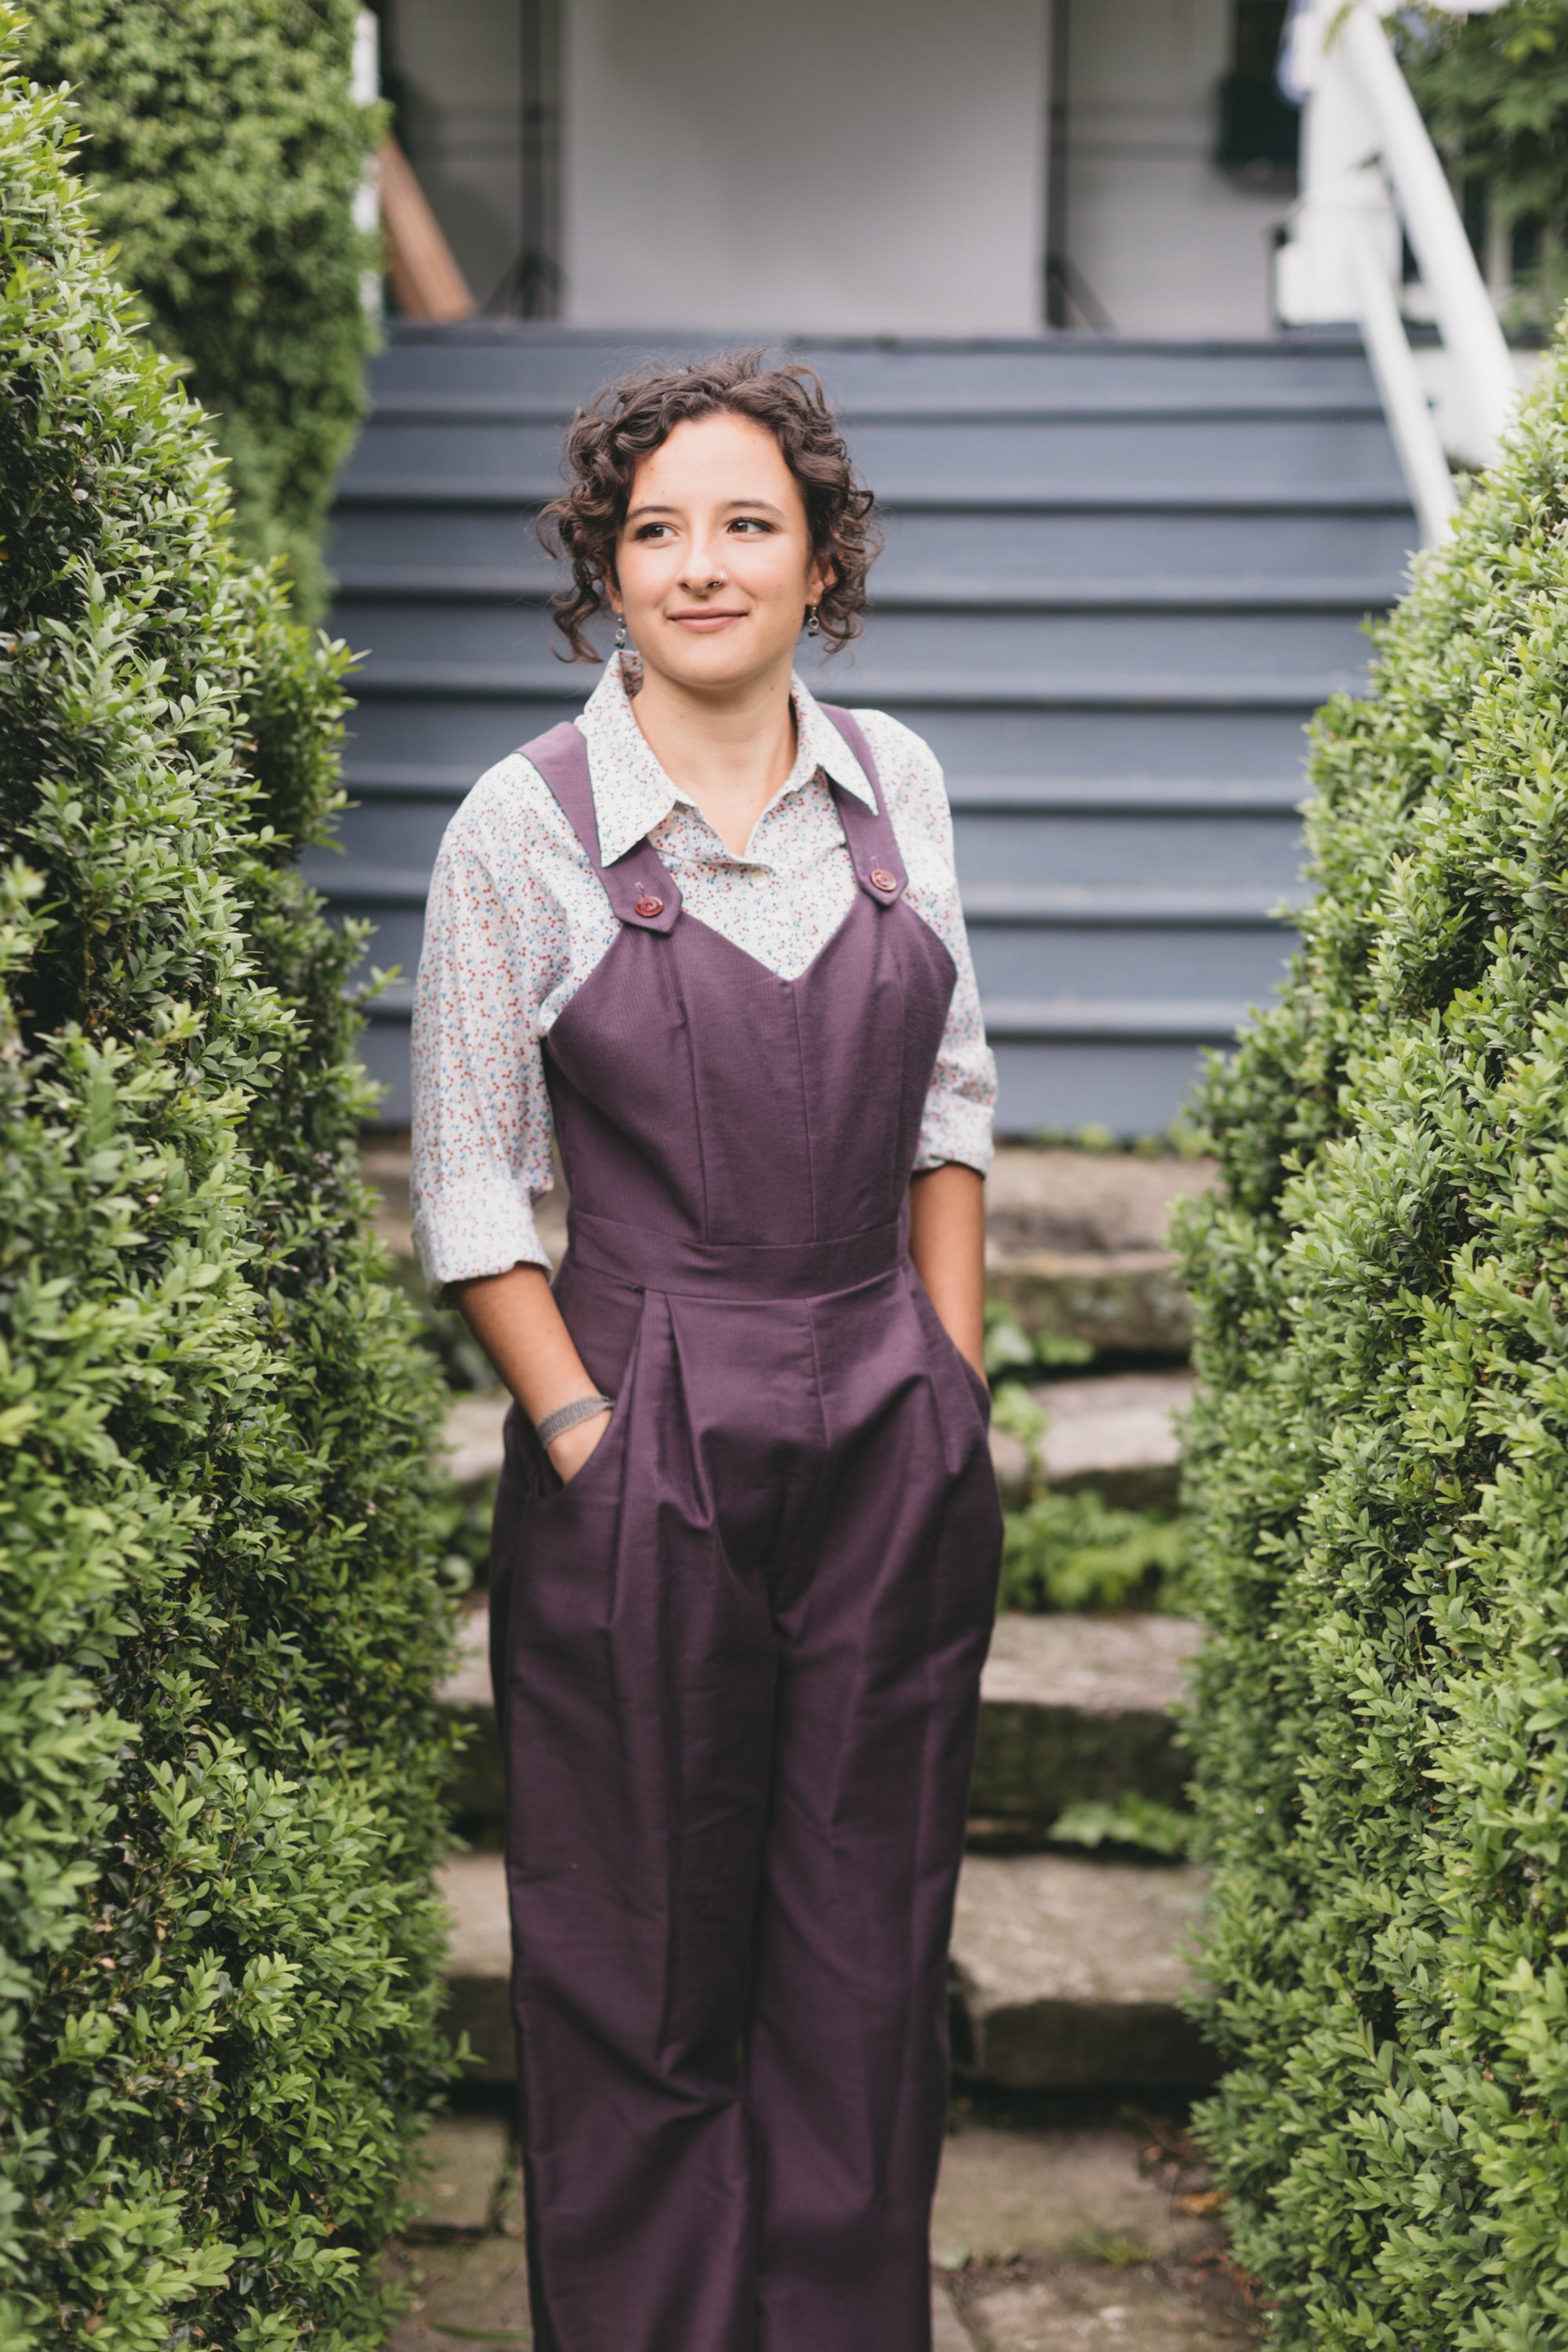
{"points": [[631, 792]]}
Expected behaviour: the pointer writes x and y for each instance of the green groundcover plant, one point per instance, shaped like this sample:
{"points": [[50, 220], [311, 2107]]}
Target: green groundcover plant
{"points": [[1379, 1478], [223, 148], [220, 1613]]}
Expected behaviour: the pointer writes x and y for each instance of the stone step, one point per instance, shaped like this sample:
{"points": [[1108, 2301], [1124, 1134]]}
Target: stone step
{"points": [[1066, 1973], [1057, 1198], [1077, 1244], [1070, 1974], [1113, 1302], [1072, 1709], [1117, 1434], [473, 1441]]}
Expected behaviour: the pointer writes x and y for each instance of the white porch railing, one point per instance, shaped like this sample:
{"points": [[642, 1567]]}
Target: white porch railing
{"points": [[1369, 169]]}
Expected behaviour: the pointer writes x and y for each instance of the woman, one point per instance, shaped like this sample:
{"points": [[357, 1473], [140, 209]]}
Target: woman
{"points": [[747, 1538]]}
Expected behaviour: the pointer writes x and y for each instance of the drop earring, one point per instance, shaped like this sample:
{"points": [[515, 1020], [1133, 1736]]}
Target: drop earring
{"points": [[620, 633], [813, 620]]}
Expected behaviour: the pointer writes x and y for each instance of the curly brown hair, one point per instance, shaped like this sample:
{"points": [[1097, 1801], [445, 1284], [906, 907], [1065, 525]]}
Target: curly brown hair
{"points": [[632, 417]]}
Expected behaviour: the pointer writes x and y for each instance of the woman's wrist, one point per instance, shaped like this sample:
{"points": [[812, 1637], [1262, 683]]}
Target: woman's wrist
{"points": [[568, 1451], [563, 1417]]}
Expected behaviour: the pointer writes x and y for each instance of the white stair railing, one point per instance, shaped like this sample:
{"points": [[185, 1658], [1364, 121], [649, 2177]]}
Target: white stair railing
{"points": [[1369, 169]]}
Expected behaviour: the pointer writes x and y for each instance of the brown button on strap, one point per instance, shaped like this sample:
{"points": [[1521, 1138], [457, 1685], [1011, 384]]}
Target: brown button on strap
{"points": [[647, 907], [882, 880]]}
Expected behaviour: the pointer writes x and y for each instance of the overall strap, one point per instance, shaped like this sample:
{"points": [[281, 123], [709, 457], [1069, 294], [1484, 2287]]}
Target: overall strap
{"points": [[637, 886], [873, 845]]}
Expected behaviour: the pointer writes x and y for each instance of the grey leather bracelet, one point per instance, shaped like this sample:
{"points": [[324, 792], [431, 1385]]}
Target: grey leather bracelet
{"points": [[567, 1416]]}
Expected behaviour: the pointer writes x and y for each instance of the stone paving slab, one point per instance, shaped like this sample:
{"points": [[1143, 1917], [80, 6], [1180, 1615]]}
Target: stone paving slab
{"points": [[472, 1440], [479, 1963], [1116, 1434], [1059, 1199], [1076, 1708], [1118, 1302], [1069, 1973], [1049, 2193], [473, 2292], [477, 1790], [948, 2332], [465, 2169], [1090, 2307]]}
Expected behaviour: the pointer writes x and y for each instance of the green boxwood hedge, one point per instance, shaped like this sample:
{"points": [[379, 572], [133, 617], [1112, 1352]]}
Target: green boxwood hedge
{"points": [[1379, 1477], [224, 149], [220, 1615]]}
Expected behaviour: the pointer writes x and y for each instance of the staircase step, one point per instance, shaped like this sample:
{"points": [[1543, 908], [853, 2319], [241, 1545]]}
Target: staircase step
{"points": [[465, 2164], [521, 494], [473, 1441], [370, 584], [479, 1963], [1302, 691], [1120, 1302], [1004, 641], [1199, 1021], [1277, 799], [539, 354], [1067, 406], [1072, 1709], [1077, 1709], [1070, 1974], [1116, 1434], [1065, 1198], [1120, 741], [1298, 548], [1066, 1973], [354, 883]]}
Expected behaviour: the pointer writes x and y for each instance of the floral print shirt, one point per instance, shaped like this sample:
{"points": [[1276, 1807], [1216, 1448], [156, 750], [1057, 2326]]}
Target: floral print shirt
{"points": [[518, 920]]}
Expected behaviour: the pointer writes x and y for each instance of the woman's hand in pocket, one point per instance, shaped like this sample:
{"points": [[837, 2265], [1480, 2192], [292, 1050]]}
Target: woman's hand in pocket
{"points": [[575, 1446]]}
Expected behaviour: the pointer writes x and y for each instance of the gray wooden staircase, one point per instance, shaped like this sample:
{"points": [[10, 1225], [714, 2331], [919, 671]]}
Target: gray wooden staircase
{"points": [[1119, 578]]}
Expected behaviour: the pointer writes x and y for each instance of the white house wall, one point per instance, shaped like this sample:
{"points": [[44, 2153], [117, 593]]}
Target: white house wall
{"points": [[1168, 244], [855, 167], [848, 165]]}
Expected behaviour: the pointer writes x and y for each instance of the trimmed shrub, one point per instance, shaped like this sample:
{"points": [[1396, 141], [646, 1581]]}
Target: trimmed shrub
{"points": [[224, 149], [220, 1621], [1379, 1478]]}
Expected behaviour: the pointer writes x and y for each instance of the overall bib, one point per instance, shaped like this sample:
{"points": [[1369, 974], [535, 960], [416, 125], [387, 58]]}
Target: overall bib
{"points": [[737, 1658]]}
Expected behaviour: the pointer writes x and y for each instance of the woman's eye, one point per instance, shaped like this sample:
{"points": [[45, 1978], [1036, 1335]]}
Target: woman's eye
{"points": [[750, 522], [648, 529]]}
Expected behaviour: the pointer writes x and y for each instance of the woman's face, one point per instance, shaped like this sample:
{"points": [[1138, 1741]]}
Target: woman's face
{"points": [[714, 568]]}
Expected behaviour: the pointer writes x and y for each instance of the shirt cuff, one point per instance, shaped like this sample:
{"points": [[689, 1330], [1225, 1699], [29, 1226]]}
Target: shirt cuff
{"points": [[955, 1131], [465, 1231]]}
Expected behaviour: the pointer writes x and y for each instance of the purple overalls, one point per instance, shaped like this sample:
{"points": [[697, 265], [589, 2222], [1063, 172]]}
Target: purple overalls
{"points": [[738, 1658]]}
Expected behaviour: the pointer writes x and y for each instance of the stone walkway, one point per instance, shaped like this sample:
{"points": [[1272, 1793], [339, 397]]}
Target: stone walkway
{"points": [[1064, 2233]]}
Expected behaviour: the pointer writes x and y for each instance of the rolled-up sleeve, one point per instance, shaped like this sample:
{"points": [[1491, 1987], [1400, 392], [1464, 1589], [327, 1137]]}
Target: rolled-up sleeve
{"points": [[481, 1111], [961, 1102]]}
